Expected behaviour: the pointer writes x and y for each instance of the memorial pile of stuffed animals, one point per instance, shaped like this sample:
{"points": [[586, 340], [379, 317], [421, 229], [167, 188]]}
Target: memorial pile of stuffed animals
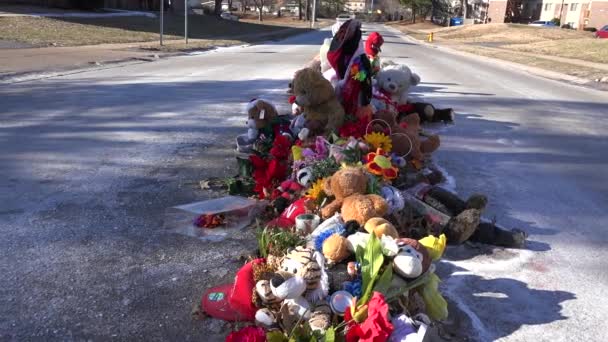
{"points": [[355, 220]]}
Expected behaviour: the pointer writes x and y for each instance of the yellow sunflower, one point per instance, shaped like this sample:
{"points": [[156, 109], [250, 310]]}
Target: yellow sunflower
{"points": [[315, 190], [379, 140]]}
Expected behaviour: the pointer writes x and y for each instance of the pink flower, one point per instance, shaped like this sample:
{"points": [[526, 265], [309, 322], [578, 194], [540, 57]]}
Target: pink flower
{"points": [[247, 334]]}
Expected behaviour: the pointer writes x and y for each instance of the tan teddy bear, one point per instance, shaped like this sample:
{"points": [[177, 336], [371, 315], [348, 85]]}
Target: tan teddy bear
{"points": [[345, 182], [406, 137], [323, 112], [361, 208]]}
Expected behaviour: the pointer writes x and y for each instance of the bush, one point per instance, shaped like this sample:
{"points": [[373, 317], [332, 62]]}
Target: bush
{"points": [[556, 21], [590, 29]]}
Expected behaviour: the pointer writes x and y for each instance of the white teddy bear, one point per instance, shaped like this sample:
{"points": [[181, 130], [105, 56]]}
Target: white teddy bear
{"points": [[392, 85]]}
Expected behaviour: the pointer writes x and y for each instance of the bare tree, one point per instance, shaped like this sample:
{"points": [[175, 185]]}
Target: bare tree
{"points": [[278, 4], [259, 4], [244, 5], [300, 9]]}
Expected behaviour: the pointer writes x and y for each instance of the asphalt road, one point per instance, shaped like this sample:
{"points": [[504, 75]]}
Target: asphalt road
{"points": [[90, 161]]}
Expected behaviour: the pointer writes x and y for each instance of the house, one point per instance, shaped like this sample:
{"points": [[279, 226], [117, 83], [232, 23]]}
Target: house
{"points": [[596, 14], [576, 13]]}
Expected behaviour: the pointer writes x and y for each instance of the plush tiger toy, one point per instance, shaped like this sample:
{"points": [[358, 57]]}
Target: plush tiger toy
{"points": [[301, 284]]}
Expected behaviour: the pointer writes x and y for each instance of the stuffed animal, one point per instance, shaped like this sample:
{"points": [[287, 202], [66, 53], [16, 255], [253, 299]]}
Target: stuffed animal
{"points": [[261, 114], [361, 208], [392, 87], [345, 182], [373, 45], [335, 249], [302, 284], [428, 112], [350, 67], [322, 111], [412, 260], [380, 226], [405, 136]]}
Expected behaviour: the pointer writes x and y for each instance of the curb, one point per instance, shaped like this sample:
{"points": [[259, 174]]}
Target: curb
{"points": [[512, 66]]}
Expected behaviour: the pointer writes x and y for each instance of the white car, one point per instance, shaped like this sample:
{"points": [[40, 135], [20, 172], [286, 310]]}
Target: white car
{"points": [[542, 23], [229, 16], [342, 18]]}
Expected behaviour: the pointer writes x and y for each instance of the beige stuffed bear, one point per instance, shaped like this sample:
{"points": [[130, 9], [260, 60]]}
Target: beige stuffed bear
{"points": [[345, 182], [322, 110]]}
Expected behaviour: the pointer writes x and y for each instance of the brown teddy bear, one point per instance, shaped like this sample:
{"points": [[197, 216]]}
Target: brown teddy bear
{"points": [[345, 182], [361, 208], [260, 115], [405, 135], [323, 112]]}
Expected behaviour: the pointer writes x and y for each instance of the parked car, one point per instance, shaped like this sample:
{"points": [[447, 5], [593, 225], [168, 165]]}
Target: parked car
{"points": [[542, 23], [602, 33], [342, 18], [456, 21], [229, 16]]}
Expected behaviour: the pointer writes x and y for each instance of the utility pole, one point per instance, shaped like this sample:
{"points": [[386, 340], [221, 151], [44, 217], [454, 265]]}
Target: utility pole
{"points": [[186, 21], [314, 13], [162, 15]]}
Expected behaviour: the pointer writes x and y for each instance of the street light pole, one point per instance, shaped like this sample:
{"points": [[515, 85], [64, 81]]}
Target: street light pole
{"points": [[162, 15], [186, 21], [314, 13]]}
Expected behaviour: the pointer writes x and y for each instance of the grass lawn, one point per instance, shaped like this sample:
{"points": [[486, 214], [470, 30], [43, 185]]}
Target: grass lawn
{"points": [[543, 63], [91, 31], [503, 41], [592, 50]]}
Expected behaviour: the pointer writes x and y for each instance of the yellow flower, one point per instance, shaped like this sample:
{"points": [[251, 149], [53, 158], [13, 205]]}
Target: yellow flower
{"points": [[315, 190], [379, 140]]}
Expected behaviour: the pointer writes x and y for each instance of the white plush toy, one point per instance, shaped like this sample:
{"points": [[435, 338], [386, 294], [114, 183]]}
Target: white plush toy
{"points": [[392, 86]]}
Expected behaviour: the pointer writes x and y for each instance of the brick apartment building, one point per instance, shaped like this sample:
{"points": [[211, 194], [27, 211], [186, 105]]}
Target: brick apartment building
{"points": [[577, 13]]}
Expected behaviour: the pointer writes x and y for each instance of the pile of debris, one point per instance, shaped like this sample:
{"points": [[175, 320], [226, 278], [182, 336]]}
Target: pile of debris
{"points": [[353, 217]]}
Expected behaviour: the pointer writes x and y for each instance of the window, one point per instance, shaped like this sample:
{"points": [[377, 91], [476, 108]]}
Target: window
{"points": [[548, 7], [573, 7]]}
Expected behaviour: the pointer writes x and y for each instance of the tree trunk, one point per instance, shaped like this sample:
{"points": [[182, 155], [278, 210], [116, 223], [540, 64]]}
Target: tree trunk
{"points": [[229, 5], [217, 9], [306, 13], [413, 14], [300, 9], [261, 16]]}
